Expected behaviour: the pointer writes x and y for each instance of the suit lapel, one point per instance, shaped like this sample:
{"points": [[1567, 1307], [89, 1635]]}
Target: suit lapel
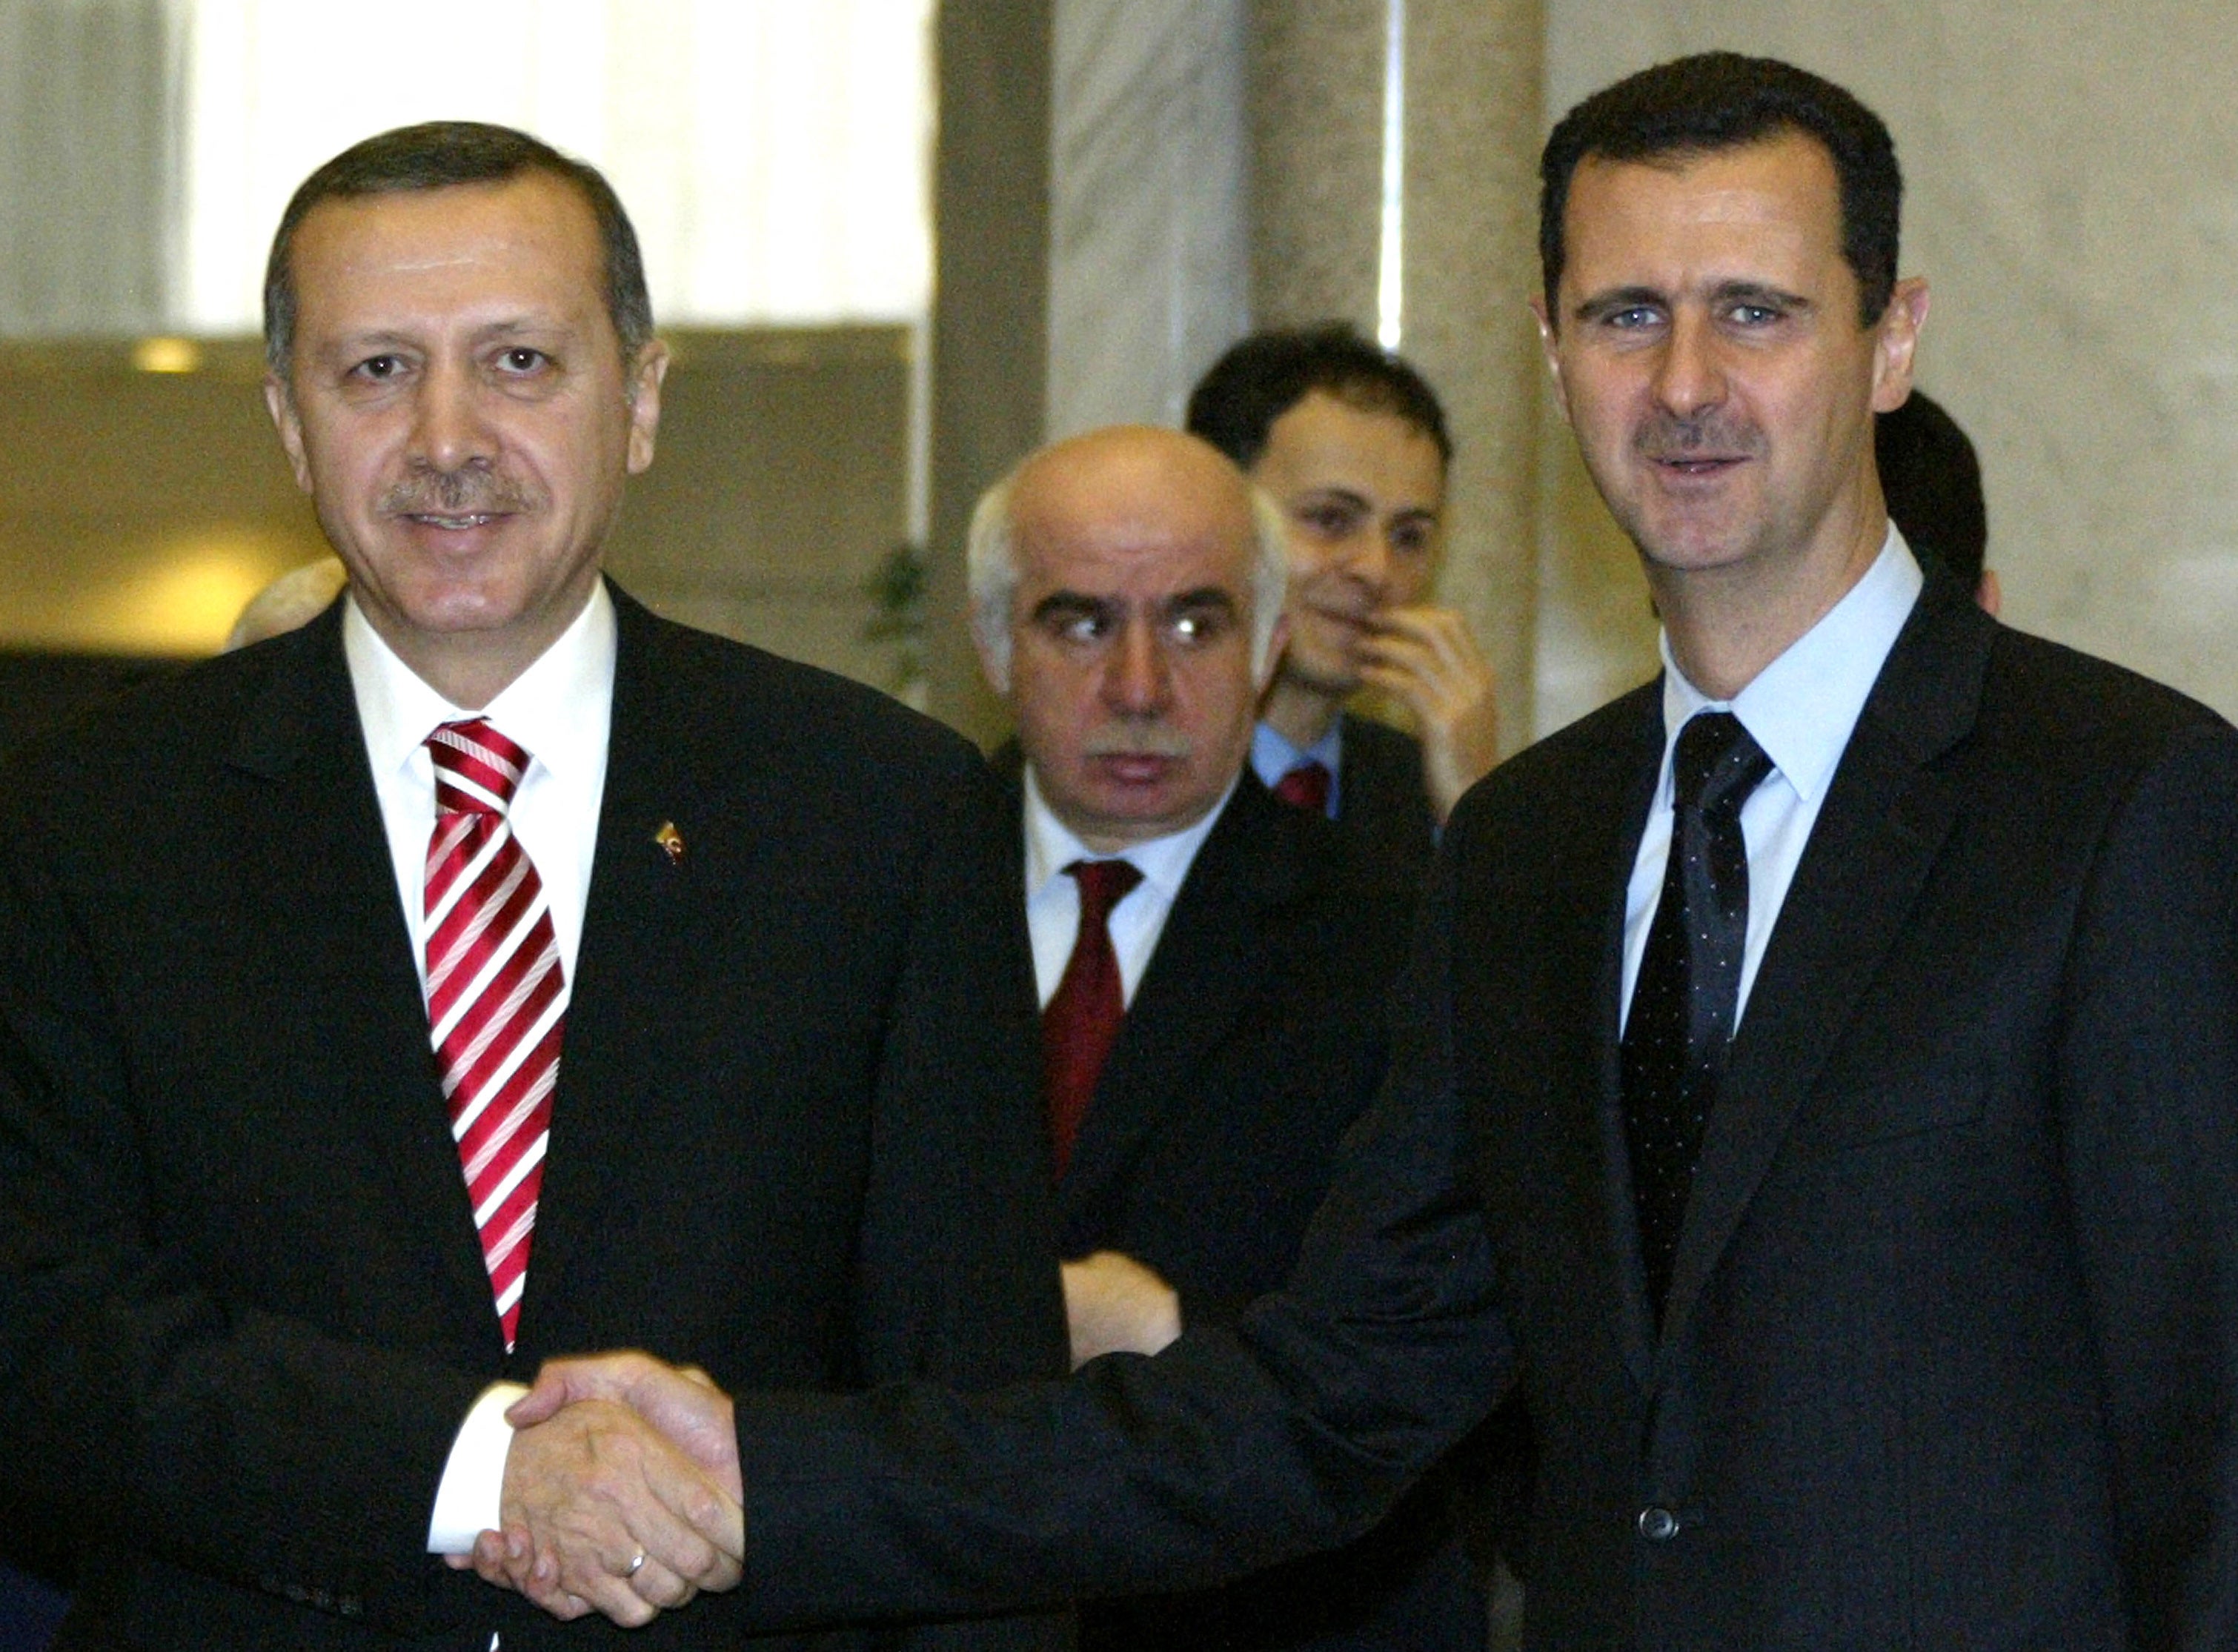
{"points": [[1598, 871], [1205, 968], [1885, 818], [657, 800], [323, 882]]}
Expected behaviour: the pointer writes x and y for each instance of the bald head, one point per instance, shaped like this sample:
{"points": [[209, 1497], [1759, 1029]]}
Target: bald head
{"points": [[1127, 597], [1120, 480]]}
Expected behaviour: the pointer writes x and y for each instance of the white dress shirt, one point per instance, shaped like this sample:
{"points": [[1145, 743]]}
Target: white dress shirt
{"points": [[1053, 900], [559, 711], [1800, 709]]}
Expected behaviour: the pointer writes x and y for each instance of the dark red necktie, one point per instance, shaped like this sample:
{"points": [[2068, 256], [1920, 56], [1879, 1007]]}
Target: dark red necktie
{"points": [[1306, 787], [496, 996], [1082, 1018]]}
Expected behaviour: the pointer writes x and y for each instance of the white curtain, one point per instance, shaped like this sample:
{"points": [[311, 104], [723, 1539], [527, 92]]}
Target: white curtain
{"points": [[772, 154]]}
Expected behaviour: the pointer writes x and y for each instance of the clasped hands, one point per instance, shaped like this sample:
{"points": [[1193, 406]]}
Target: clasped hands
{"points": [[622, 1491]]}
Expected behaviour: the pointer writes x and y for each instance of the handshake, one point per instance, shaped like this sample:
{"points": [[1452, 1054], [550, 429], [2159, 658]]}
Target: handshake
{"points": [[622, 1491]]}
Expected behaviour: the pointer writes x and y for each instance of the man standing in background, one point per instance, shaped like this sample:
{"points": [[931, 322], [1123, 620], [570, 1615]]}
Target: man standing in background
{"points": [[1351, 444], [1212, 968]]}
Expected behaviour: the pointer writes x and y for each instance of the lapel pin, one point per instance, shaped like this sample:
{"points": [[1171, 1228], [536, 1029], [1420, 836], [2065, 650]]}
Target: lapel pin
{"points": [[671, 841]]}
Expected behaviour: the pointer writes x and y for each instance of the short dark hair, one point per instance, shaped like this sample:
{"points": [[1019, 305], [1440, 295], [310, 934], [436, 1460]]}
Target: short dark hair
{"points": [[1720, 100], [1933, 483], [1236, 403], [436, 156]]}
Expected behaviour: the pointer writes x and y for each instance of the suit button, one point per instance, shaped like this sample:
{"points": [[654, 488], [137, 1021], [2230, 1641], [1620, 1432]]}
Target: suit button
{"points": [[1657, 1524]]}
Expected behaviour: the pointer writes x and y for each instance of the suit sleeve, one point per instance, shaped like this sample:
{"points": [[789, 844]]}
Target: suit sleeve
{"points": [[2147, 1085], [1229, 1451], [241, 1442]]}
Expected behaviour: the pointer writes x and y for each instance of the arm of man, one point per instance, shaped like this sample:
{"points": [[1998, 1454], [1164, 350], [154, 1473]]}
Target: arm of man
{"points": [[954, 1265], [187, 1256], [1228, 1451], [1426, 659], [233, 1440], [2148, 1091]]}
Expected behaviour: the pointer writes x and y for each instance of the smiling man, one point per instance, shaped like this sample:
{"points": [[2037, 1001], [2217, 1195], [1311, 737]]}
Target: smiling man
{"points": [[1814, 1083], [1350, 443], [486, 969]]}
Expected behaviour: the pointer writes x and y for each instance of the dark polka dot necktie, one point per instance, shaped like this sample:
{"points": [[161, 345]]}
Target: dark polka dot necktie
{"points": [[1684, 1004]]}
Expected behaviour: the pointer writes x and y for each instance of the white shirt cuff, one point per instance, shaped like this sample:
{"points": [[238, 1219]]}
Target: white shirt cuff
{"points": [[470, 1498]]}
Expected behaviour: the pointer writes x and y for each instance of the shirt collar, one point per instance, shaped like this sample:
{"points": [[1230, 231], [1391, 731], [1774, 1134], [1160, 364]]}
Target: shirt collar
{"points": [[1163, 862], [1273, 755], [1802, 707], [558, 708]]}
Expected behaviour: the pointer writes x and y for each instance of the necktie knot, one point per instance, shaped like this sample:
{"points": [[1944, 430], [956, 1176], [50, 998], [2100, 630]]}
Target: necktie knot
{"points": [[1717, 764], [476, 769], [1103, 884], [1306, 787]]}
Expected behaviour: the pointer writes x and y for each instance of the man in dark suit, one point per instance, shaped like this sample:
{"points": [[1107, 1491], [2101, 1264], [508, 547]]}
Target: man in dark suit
{"points": [[715, 960], [1350, 443], [1126, 586], [1915, 1321]]}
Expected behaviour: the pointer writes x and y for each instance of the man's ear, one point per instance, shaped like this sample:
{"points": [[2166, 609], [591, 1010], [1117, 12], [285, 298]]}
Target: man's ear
{"points": [[994, 660], [1896, 343], [1550, 346], [280, 402], [644, 395]]}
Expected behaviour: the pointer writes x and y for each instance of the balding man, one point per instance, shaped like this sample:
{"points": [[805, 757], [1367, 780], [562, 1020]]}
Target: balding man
{"points": [[1211, 963]]}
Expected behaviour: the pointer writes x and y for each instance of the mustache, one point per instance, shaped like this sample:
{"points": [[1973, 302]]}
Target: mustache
{"points": [[469, 491], [1715, 433], [1142, 740]]}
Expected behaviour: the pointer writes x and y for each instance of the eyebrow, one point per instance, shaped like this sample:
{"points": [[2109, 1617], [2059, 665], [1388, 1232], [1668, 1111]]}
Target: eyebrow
{"points": [[1206, 596], [1069, 605], [1756, 292], [1599, 305]]}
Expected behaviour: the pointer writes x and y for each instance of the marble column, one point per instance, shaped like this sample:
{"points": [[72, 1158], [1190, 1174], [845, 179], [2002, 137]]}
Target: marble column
{"points": [[88, 165], [1148, 257], [990, 304], [1466, 242]]}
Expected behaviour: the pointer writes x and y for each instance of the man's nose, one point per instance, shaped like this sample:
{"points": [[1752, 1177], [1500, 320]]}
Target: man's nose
{"points": [[1691, 375], [1366, 554], [450, 428], [1138, 680]]}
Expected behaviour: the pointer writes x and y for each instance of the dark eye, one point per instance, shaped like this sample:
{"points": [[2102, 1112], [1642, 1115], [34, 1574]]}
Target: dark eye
{"points": [[1199, 625], [1329, 520], [378, 367], [521, 359], [1411, 538]]}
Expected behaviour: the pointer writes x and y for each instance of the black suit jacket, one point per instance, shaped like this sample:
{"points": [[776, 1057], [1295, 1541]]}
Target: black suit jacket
{"points": [[1381, 795], [1952, 1345], [243, 1308], [1254, 1039]]}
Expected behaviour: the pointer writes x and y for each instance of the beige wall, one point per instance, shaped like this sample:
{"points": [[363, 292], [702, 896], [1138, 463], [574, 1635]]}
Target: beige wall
{"points": [[138, 511], [2072, 172]]}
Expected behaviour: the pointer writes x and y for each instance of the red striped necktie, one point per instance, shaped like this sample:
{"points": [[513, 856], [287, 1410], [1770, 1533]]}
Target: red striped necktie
{"points": [[496, 996]]}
